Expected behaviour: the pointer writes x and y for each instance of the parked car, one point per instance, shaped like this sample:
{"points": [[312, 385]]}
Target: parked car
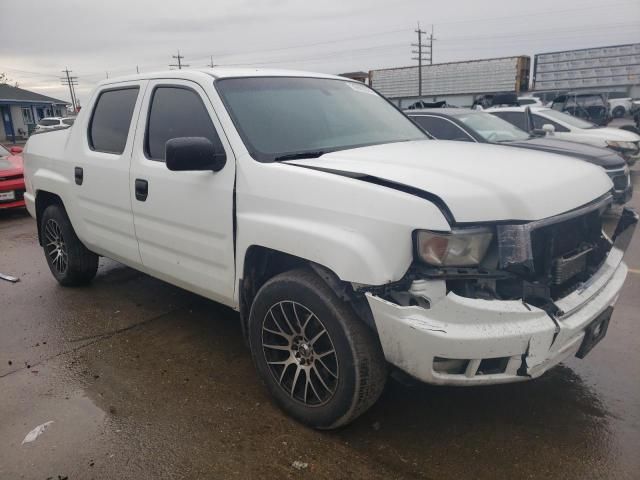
{"points": [[346, 239], [54, 123], [11, 178], [591, 107], [566, 127], [619, 107], [472, 126], [524, 101]]}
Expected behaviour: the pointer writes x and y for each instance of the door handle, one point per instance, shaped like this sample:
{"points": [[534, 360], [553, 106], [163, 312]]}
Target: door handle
{"points": [[78, 173], [142, 189]]}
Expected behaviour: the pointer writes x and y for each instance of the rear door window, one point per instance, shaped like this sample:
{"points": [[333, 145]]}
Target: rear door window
{"points": [[111, 120], [177, 112]]}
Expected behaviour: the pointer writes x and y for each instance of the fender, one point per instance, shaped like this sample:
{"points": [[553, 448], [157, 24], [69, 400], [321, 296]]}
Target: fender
{"points": [[359, 230]]}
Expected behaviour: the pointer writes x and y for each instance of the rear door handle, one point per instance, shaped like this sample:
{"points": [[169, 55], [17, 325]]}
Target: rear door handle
{"points": [[78, 173], [142, 189]]}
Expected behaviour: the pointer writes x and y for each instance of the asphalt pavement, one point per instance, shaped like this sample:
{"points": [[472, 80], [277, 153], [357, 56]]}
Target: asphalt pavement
{"points": [[142, 380]]}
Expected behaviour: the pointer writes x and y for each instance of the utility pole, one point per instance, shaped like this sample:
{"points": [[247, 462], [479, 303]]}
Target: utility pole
{"points": [[431, 39], [211, 63], [420, 56], [70, 81], [137, 71], [179, 64]]}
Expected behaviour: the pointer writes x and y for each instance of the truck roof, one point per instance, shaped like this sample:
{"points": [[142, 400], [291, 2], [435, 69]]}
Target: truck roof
{"points": [[220, 72]]}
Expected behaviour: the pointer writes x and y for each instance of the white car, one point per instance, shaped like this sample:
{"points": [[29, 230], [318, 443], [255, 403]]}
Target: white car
{"points": [[54, 123], [566, 127], [346, 238], [619, 107], [524, 101]]}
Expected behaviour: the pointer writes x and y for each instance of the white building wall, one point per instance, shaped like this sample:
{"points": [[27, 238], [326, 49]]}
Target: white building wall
{"points": [[478, 76]]}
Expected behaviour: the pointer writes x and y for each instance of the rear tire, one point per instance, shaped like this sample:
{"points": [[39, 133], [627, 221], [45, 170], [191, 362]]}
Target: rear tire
{"points": [[70, 262], [320, 363], [618, 112]]}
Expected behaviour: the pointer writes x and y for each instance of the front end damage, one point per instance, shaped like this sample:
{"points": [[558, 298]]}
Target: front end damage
{"points": [[545, 292]]}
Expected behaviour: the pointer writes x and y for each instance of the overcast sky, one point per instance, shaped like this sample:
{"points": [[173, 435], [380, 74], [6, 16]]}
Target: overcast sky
{"points": [[92, 37]]}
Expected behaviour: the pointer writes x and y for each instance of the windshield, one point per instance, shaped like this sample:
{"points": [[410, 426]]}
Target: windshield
{"points": [[48, 122], [566, 118], [492, 128], [4, 152], [292, 116]]}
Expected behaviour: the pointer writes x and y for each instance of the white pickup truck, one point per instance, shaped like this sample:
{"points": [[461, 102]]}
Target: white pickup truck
{"points": [[346, 239]]}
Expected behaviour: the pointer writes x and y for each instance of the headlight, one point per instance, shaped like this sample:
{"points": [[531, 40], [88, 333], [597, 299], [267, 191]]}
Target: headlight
{"points": [[621, 145], [460, 248]]}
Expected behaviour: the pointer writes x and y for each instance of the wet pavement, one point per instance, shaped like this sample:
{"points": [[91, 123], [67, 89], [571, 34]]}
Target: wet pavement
{"points": [[144, 380]]}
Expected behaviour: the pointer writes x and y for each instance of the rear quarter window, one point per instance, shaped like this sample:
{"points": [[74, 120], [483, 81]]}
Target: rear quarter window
{"points": [[111, 120]]}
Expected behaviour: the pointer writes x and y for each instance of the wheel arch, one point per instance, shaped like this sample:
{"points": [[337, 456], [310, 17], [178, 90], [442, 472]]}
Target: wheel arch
{"points": [[263, 263], [45, 199]]}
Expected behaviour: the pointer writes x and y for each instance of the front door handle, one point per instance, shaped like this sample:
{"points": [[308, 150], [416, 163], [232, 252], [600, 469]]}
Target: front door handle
{"points": [[142, 189], [78, 173]]}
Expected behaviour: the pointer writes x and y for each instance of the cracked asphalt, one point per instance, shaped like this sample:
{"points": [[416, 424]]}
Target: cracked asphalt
{"points": [[144, 380]]}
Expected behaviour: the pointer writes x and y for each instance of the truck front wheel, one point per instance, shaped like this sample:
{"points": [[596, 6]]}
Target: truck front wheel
{"points": [[322, 365], [70, 262]]}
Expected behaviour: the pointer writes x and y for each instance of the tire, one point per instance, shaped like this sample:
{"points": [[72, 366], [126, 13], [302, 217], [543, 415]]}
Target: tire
{"points": [[618, 112], [70, 262], [289, 349]]}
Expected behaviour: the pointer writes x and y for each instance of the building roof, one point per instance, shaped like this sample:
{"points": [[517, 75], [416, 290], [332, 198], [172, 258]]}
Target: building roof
{"points": [[354, 74], [17, 95]]}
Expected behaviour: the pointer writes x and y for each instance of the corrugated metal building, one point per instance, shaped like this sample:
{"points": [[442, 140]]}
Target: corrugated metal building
{"points": [[613, 68], [459, 83]]}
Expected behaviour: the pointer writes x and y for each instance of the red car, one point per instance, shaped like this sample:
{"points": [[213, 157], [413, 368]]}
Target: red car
{"points": [[11, 178]]}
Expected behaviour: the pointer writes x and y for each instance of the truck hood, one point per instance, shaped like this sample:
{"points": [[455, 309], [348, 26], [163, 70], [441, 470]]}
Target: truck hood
{"points": [[603, 157], [476, 182]]}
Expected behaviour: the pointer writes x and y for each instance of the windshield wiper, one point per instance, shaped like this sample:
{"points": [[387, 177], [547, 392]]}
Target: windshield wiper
{"points": [[298, 155]]}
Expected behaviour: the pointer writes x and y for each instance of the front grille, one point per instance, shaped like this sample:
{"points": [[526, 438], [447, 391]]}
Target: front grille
{"points": [[569, 252], [620, 182]]}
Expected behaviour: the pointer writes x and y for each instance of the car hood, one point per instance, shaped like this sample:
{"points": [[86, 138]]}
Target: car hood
{"points": [[11, 166], [603, 157], [477, 182], [610, 133]]}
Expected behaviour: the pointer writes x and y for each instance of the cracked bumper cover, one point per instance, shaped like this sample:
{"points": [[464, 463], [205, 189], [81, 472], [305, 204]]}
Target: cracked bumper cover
{"points": [[456, 327]]}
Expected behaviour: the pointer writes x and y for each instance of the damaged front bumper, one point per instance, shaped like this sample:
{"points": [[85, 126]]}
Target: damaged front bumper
{"points": [[449, 339]]}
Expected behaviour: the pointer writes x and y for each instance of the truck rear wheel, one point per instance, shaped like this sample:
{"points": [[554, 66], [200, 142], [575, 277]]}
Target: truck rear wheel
{"points": [[70, 262], [322, 365]]}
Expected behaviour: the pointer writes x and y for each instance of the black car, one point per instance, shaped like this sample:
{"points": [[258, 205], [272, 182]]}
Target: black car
{"points": [[467, 125]]}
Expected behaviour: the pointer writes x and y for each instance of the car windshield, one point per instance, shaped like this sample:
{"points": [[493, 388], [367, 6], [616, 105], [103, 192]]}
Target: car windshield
{"points": [[283, 118], [492, 128], [566, 118], [4, 152], [48, 122]]}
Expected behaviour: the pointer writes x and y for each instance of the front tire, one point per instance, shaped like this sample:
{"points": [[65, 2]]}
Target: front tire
{"points": [[70, 262], [320, 363]]}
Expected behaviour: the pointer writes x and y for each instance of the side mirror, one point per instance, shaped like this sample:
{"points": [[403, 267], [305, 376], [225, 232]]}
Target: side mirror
{"points": [[15, 150], [548, 128], [192, 154], [538, 132]]}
